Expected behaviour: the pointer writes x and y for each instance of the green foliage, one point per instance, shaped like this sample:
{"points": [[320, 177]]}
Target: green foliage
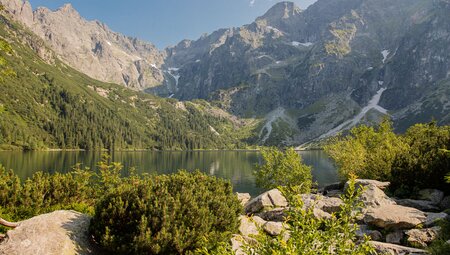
{"points": [[283, 169], [309, 235], [44, 193], [418, 159], [166, 214], [426, 162], [50, 105], [367, 152]]}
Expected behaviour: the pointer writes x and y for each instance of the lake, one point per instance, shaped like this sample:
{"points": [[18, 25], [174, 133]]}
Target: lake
{"points": [[236, 166]]}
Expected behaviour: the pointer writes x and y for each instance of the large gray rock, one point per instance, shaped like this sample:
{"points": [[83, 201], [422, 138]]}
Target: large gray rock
{"points": [[373, 196], [248, 226], [394, 237], [266, 201], [394, 249], [277, 214], [364, 230], [56, 233], [243, 198], [273, 228], [433, 195], [366, 182], [394, 217], [423, 205], [433, 218], [422, 237], [330, 204], [445, 203]]}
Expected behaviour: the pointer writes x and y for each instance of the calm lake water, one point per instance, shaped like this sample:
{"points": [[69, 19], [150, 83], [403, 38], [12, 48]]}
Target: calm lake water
{"points": [[236, 166]]}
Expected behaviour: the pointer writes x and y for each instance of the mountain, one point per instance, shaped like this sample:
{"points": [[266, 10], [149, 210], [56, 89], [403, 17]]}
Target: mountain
{"points": [[45, 103], [307, 74], [91, 47], [315, 72]]}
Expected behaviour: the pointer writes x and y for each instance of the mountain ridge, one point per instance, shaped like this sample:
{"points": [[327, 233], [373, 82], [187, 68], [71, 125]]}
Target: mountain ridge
{"points": [[306, 72]]}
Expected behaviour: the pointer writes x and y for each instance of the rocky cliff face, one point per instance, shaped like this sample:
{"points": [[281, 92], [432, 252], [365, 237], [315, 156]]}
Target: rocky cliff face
{"points": [[91, 47]]}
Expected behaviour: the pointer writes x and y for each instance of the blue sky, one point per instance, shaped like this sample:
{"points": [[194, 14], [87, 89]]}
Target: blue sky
{"points": [[166, 22]]}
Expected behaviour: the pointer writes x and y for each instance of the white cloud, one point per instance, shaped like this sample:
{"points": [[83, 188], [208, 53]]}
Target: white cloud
{"points": [[252, 3]]}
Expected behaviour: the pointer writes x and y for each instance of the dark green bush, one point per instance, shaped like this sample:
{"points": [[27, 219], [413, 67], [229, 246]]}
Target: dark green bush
{"points": [[426, 162], [166, 214]]}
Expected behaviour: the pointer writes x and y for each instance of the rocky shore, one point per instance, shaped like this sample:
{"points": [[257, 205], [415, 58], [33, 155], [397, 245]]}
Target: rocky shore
{"points": [[395, 226]]}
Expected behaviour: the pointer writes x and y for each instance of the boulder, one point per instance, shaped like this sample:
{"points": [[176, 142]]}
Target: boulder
{"points": [[334, 193], [365, 230], [366, 182], [433, 218], [373, 196], [59, 232], [394, 217], [243, 198], [394, 249], [266, 201], [433, 195], [423, 205], [258, 221], [330, 204], [394, 237], [445, 203], [273, 228], [277, 214], [237, 242], [422, 237], [247, 226]]}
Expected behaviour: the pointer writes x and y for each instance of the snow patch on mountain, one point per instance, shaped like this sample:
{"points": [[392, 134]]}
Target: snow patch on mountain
{"points": [[385, 54], [373, 104]]}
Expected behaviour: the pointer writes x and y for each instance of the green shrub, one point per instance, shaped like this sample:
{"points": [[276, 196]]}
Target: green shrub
{"points": [[166, 214], [309, 235], [426, 162], [367, 152], [283, 169]]}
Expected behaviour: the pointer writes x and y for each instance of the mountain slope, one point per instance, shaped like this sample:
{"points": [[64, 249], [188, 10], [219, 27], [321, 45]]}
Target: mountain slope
{"points": [[47, 104], [323, 65], [90, 46]]}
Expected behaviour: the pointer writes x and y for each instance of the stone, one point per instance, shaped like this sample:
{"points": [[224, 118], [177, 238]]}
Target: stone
{"points": [[374, 235], [445, 203], [334, 193], [433, 218], [422, 237], [366, 182], [373, 196], [277, 214], [394, 237], [266, 201], [422, 205], [395, 249], [243, 198], [247, 226], [237, 242], [394, 217], [59, 232], [330, 204], [273, 228], [258, 221], [319, 214], [433, 195]]}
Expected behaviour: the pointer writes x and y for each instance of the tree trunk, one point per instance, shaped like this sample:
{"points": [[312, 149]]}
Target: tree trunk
{"points": [[8, 224]]}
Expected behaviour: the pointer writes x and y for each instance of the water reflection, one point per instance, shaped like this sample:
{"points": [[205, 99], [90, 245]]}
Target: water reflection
{"points": [[236, 166]]}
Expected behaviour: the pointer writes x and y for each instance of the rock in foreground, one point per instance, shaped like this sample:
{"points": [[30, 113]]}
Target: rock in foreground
{"points": [[56, 233]]}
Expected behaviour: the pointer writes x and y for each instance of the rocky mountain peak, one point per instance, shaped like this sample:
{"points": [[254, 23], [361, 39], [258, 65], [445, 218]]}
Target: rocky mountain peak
{"points": [[281, 10], [68, 9]]}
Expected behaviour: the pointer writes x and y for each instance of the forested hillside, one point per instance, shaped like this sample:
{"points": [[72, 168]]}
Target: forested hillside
{"points": [[46, 104]]}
